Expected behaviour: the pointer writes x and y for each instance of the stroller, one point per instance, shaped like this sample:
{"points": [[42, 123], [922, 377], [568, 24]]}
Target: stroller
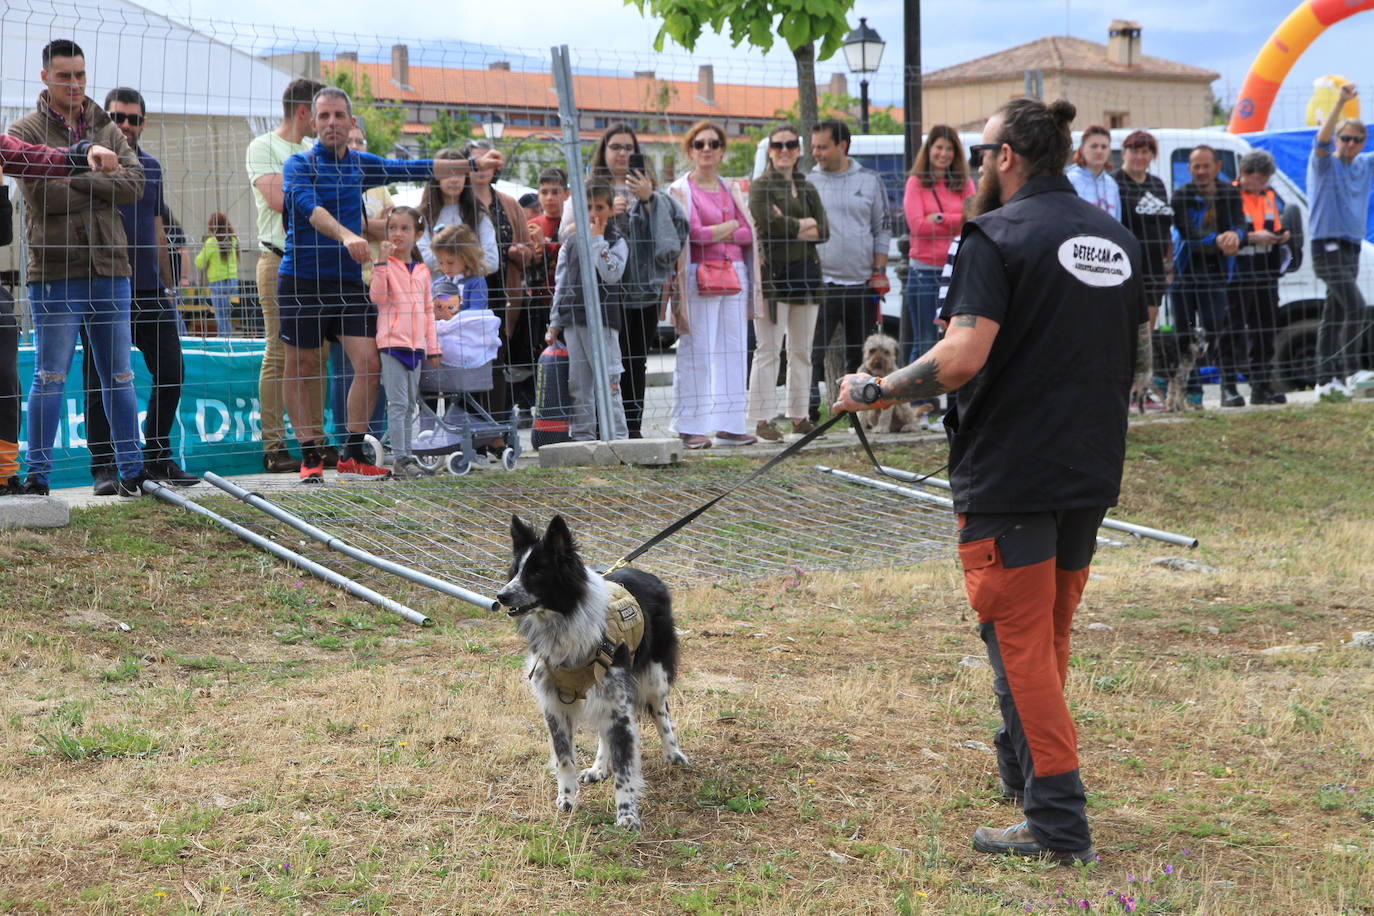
{"points": [[450, 436]]}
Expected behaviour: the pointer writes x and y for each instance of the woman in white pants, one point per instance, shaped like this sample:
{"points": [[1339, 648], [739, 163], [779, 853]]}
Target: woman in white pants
{"points": [[715, 294], [790, 221]]}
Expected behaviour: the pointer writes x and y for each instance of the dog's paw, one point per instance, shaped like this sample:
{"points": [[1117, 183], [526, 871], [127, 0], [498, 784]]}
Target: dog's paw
{"points": [[628, 820], [677, 759], [593, 774], [563, 804]]}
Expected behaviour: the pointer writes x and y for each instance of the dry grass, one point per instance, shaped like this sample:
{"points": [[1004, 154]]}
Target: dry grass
{"points": [[256, 743]]}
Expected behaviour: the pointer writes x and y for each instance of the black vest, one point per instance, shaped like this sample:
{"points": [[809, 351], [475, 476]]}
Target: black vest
{"points": [[1042, 425]]}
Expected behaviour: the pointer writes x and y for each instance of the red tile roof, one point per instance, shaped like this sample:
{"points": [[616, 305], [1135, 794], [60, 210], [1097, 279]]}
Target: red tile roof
{"points": [[507, 89], [1059, 53]]}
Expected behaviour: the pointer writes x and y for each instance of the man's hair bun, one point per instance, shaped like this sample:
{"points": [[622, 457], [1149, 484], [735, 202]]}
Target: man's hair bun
{"points": [[1063, 112]]}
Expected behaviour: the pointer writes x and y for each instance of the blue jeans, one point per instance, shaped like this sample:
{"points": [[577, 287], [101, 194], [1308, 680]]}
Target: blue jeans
{"points": [[221, 291], [59, 310], [922, 298]]}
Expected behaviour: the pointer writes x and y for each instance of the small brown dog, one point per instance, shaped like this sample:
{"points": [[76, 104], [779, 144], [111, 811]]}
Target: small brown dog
{"points": [[880, 360]]}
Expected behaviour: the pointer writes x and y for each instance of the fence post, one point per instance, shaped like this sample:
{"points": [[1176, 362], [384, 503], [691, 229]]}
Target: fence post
{"points": [[572, 154]]}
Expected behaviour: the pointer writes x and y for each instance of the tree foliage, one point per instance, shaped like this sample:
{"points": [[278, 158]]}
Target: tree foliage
{"points": [[382, 125], [800, 23], [446, 130]]}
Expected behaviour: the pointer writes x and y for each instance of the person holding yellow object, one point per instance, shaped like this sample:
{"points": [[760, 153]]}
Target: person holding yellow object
{"points": [[220, 261]]}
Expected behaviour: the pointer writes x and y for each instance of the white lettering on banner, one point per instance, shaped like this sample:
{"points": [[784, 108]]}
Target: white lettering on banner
{"points": [[205, 408], [216, 422], [1095, 261], [76, 418]]}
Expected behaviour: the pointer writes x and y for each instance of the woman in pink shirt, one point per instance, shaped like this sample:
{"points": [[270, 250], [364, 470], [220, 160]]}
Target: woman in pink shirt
{"points": [[936, 188], [710, 384]]}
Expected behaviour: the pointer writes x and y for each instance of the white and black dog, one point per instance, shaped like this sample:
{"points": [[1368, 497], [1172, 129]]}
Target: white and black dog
{"points": [[568, 614]]}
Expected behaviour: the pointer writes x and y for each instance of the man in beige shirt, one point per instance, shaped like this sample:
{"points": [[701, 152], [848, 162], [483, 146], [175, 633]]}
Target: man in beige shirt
{"points": [[266, 156]]}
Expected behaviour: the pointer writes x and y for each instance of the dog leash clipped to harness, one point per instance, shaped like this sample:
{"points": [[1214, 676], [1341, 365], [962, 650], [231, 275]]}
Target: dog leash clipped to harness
{"points": [[773, 462]]}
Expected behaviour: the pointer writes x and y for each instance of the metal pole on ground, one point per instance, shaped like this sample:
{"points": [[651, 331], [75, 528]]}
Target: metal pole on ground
{"points": [[1181, 540], [572, 154], [347, 549], [167, 495]]}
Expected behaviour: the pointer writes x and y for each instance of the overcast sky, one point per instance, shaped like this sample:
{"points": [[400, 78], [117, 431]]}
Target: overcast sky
{"points": [[1222, 36]]}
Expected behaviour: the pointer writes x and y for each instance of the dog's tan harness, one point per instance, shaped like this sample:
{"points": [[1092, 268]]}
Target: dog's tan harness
{"points": [[624, 627]]}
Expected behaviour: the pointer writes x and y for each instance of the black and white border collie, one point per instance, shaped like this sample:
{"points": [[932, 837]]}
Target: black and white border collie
{"points": [[560, 604]]}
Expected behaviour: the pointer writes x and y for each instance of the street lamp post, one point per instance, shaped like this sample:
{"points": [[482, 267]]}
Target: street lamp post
{"points": [[863, 50], [493, 127]]}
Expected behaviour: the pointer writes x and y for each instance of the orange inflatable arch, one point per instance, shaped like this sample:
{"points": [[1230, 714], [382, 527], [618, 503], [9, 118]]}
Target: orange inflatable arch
{"points": [[1280, 53]]}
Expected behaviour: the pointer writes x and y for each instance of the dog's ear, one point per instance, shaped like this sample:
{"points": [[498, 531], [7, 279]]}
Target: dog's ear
{"points": [[558, 538], [522, 536]]}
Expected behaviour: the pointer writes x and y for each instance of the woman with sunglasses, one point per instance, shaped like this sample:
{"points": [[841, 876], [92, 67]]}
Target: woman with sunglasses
{"points": [[1088, 174], [790, 219], [655, 228], [717, 286], [936, 188]]}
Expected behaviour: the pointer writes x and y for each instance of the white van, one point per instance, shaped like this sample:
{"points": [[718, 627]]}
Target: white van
{"points": [[1300, 292]]}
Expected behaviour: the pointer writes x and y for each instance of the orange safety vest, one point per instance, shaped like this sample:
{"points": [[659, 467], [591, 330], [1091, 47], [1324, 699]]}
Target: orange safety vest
{"points": [[1261, 210]]}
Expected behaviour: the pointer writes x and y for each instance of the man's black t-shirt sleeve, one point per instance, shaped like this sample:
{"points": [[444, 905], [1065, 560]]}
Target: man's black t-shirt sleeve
{"points": [[979, 285]]}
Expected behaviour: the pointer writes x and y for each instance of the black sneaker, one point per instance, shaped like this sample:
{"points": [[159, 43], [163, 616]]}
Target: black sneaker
{"points": [[168, 472], [34, 487], [131, 487], [1019, 841], [1230, 397], [103, 481], [12, 487]]}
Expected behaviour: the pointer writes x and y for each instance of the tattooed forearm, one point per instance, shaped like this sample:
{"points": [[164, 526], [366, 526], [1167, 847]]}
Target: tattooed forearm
{"points": [[1144, 351], [919, 380]]}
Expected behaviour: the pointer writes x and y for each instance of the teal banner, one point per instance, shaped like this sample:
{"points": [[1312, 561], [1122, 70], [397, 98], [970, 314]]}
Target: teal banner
{"points": [[217, 427]]}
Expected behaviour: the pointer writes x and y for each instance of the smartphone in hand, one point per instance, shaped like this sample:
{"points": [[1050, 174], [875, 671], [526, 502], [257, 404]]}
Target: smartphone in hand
{"points": [[637, 163]]}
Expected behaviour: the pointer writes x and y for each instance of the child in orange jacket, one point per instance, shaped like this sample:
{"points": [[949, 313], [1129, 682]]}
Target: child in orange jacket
{"points": [[406, 334]]}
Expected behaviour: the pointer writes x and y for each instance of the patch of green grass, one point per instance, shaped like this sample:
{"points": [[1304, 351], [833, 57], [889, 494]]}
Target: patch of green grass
{"points": [[126, 669], [103, 741]]}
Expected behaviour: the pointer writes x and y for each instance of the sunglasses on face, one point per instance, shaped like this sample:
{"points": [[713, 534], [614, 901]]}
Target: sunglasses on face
{"points": [[120, 117], [706, 144], [778, 146], [976, 151], [1347, 138]]}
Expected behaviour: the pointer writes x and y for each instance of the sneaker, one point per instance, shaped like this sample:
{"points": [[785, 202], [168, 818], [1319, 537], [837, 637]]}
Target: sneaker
{"points": [[1194, 399], [280, 461], [350, 467], [693, 441], [766, 430], [168, 472], [312, 473], [735, 439], [34, 487], [1263, 395], [330, 455], [1364, 375], [408, 468], [803, 426], [1230, 397], [104, 482], [12, 487], [1019, 841], [131, 487]]}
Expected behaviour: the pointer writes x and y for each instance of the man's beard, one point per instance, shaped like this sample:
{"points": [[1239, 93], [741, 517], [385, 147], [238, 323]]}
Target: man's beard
{"points": [[989, 195]]}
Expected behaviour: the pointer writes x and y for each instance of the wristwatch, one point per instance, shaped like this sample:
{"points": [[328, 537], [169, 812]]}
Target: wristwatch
{"points": [[939, 217], [472, 164], [870, 393]]}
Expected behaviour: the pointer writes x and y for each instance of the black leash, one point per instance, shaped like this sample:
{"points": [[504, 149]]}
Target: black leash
{"points": [[773, 462]]}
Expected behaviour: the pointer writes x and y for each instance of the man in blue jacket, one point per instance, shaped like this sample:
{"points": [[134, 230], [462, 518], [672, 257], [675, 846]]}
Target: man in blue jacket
{"points": [[1339, 189], [320, 288]]}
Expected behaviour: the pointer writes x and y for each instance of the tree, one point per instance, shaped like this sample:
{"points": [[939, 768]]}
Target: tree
{"points": [[381, 125], [801, 23], [445, 131]]}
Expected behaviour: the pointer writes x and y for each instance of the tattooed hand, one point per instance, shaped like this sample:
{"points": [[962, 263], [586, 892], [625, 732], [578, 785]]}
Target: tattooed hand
{"points": [[851, 395]]}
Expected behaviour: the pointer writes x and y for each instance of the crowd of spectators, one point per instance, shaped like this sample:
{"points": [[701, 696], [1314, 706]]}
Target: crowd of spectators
{"points": [[745, 273]]}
